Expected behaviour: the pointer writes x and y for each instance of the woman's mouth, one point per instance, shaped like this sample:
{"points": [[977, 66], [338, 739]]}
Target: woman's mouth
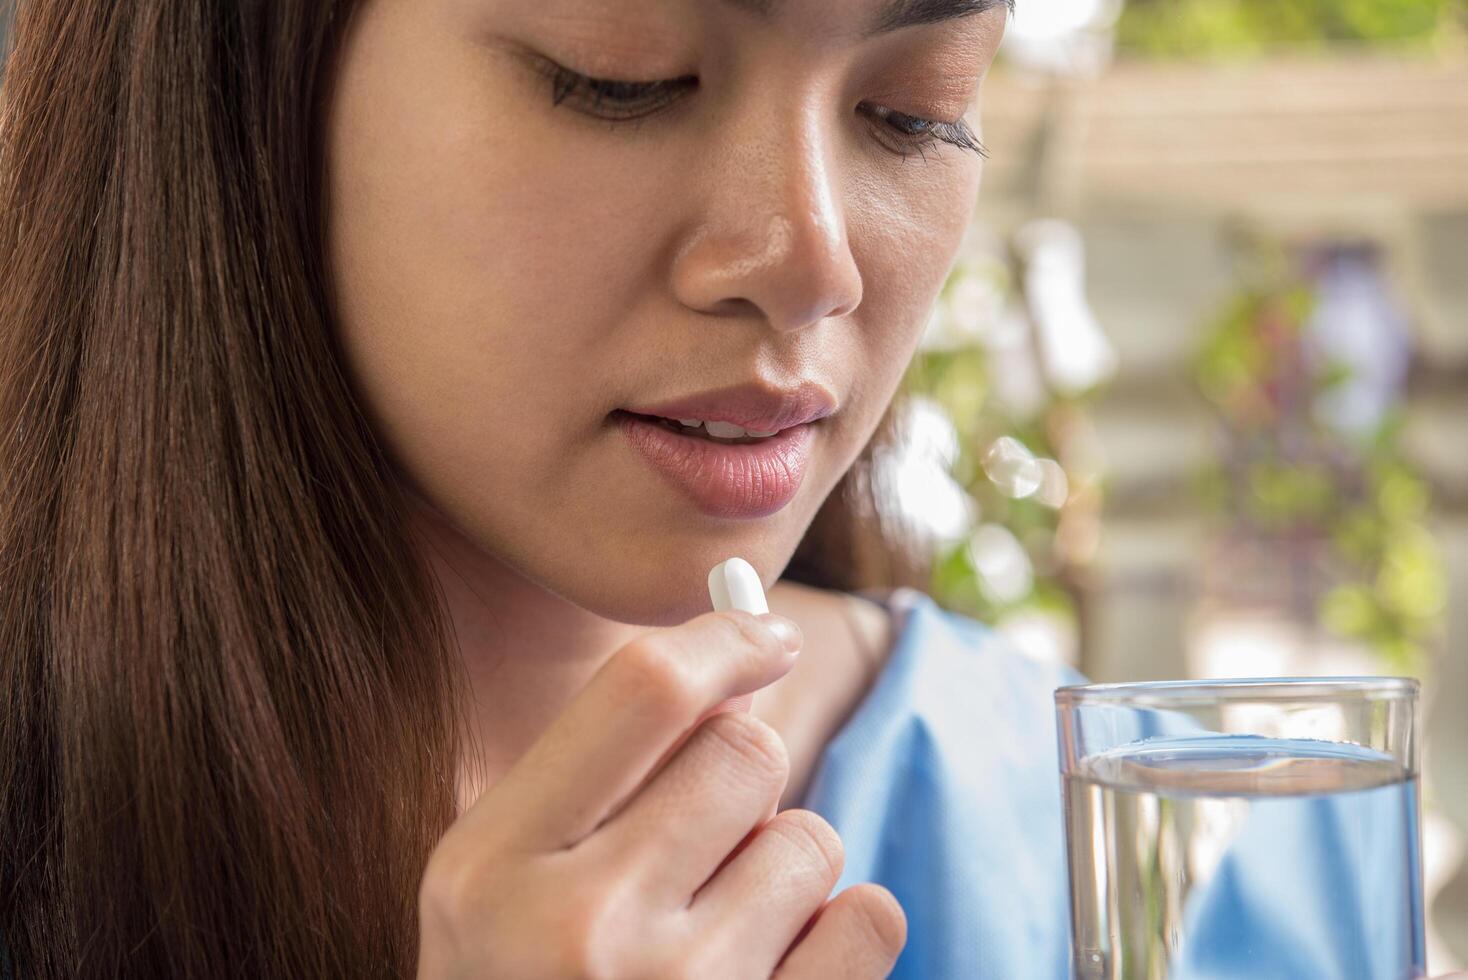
{"points": [[724, 470], [713, 431]]}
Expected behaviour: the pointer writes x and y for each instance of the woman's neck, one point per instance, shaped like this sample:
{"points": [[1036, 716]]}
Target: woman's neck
{"points": [[526, 650]]}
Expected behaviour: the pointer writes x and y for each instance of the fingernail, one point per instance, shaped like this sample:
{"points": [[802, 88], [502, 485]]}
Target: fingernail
{"points": [[786, 629]]}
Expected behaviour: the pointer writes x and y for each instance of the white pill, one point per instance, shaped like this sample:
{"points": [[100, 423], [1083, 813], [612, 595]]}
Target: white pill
{"points": [[734, 584]]}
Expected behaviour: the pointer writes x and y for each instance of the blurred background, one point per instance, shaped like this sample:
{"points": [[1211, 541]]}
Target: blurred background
{"points": [[1194, 401]]}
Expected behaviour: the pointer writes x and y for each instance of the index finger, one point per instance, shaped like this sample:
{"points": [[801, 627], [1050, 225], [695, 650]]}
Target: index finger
{"points": [[617, 728]]}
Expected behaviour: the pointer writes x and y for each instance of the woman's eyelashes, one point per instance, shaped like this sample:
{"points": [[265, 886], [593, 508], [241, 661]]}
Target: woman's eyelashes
{"points": [[615, 100], [915, 134], [618, 100]]}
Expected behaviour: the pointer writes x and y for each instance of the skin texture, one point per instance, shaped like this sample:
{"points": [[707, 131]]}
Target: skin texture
{"points": [[508, 272]]}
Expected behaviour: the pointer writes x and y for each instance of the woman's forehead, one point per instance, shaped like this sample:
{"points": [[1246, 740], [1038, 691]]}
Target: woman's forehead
{"points": [[854, 19], [873, 17]]}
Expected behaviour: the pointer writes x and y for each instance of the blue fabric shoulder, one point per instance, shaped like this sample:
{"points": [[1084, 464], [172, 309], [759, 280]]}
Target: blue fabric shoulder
{"points": [[945, 788]]}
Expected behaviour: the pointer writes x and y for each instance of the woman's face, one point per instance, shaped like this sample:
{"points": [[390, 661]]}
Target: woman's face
{"points": [[514, 274]]}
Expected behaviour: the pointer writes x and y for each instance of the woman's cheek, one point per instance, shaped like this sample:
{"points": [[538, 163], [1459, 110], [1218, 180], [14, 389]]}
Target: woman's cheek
{"points": [[904, 235], [909, 234]]}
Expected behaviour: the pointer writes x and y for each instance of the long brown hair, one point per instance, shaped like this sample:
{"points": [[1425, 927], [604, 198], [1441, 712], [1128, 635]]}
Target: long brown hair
{"points": [[230, 737]]}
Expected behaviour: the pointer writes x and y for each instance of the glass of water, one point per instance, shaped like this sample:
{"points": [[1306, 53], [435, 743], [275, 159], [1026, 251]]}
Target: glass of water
{"points": [[1243, 828]]}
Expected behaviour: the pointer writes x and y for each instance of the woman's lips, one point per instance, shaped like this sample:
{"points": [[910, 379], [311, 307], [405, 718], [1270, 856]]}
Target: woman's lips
{"points": [[732, 480]]}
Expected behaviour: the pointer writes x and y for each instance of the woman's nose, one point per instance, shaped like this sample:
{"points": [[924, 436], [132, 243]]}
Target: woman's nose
{"points": [[771, 235]]}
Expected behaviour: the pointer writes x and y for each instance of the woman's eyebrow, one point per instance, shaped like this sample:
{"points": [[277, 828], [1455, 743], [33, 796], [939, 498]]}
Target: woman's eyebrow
{"points": [[898, 14]]}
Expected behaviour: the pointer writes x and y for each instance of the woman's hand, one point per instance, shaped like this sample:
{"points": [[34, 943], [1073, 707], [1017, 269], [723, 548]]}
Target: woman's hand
{"points": [[591, 858]]}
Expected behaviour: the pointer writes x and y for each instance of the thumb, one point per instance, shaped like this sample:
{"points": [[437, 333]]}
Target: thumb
{"points": [[734, 584], [740, 703]]}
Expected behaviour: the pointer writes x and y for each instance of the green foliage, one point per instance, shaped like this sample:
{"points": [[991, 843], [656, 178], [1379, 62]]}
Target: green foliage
{"points": [[1192, 28], [1286, 475], [957, 377]]}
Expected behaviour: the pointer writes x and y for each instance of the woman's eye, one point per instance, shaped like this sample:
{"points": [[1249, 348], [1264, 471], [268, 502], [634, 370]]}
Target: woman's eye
{"points": [[914, 133], [618, 99], [613, 98]]}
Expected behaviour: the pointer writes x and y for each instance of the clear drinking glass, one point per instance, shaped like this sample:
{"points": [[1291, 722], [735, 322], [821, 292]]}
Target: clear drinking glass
{"points": [[1244, 828]]}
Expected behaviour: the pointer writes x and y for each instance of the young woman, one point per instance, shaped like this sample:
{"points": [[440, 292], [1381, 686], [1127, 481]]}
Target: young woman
{"points": [[353, 596]]}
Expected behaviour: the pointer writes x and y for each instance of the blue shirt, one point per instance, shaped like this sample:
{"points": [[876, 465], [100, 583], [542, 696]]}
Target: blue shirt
{"points": [[945, 787]]}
